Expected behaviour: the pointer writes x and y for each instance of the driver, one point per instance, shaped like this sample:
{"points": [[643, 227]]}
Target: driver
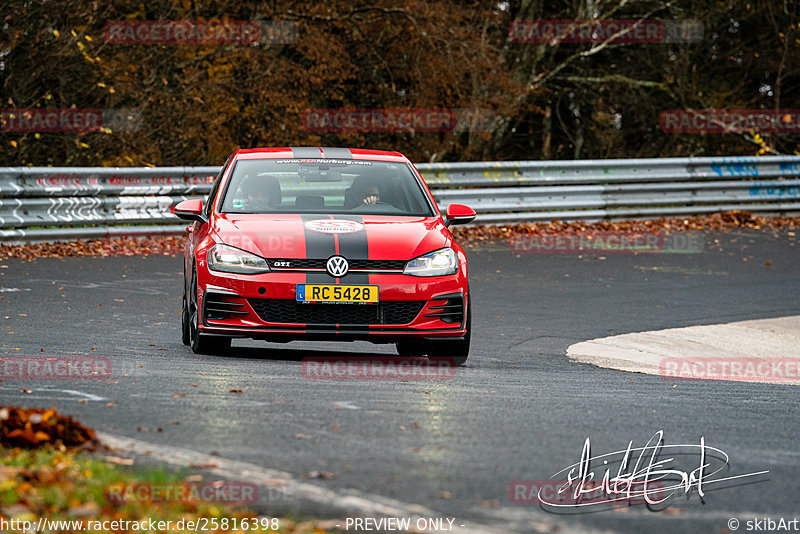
{"points": [[260, 194]]}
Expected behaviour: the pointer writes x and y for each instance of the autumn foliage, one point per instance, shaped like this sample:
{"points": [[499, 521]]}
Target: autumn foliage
{"points": [[30, 428], [547, 100]]}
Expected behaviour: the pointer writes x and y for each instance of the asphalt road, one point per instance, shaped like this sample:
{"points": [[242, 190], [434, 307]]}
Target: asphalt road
{"points": [[520, 410]]}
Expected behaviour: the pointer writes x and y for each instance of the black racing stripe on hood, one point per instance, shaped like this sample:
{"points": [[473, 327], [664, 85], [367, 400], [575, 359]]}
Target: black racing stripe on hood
{"points": [[306, 152], [354, 246], [337, 153], [318, 246]]}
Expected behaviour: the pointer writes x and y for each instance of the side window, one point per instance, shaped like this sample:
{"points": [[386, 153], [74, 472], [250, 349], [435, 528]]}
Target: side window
{"points": [[215, 188]]}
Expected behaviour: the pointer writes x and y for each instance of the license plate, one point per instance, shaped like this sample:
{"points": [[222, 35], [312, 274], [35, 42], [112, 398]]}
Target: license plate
{"points": [[314, 293]]}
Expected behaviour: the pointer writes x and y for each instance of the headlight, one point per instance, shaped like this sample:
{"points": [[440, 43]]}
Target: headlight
{"points": [[436, 263], [232, 260]]}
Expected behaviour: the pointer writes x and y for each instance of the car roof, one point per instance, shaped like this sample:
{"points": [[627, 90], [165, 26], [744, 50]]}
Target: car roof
{"points": [[319, 153]]}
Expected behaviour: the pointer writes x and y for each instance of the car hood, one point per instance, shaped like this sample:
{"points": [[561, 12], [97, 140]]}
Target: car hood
{"points": [[322, 236]]}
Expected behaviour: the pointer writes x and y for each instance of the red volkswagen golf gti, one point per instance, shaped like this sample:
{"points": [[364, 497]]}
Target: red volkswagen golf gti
{"points": [[328, 244]]}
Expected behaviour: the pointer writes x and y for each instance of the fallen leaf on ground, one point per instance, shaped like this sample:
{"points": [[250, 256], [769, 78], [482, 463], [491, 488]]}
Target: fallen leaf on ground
{"points": [[173, 245], [84, 511], [33, 427], [119, 461], [319, 474]]}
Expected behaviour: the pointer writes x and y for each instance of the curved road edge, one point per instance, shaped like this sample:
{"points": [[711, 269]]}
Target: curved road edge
{"points": [[762, 350], [311, 499]]}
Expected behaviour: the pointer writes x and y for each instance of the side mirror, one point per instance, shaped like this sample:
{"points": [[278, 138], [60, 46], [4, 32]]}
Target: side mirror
{"points": [[190, 210], [459, 214]]}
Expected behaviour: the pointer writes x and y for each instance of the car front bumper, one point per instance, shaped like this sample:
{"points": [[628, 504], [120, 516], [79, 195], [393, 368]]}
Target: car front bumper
{"points": [[264, 307]]}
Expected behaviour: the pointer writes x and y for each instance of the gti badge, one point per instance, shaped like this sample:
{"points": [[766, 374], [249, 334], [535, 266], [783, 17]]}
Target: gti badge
{"points": [[337, 266]]}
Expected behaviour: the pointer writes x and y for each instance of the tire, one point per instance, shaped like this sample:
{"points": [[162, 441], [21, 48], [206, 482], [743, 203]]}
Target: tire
{"points": [[202, 343], [216, 345], [185, 329], [457, 349], [410, 349]]}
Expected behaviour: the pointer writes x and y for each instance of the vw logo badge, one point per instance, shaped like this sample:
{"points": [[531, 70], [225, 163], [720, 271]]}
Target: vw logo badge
{"points": [[337, 266]]}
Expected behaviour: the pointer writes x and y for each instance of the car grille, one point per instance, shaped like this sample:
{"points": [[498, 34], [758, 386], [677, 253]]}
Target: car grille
{"points": [[291, 311], [371, 265]]}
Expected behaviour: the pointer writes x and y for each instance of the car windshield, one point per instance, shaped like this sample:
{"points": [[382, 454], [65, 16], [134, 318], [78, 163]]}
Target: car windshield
{"points": [[324, 186]]}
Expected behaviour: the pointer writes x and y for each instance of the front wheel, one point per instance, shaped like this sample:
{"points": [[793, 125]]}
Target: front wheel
{"points": [[458, 349], [186, 331], [202, 343]]}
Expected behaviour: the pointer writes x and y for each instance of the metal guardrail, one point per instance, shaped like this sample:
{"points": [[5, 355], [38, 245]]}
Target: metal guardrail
{"points": [[49, 204]]}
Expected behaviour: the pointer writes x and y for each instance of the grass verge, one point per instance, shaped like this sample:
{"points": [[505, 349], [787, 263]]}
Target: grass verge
{"points": [[93, 491]]}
